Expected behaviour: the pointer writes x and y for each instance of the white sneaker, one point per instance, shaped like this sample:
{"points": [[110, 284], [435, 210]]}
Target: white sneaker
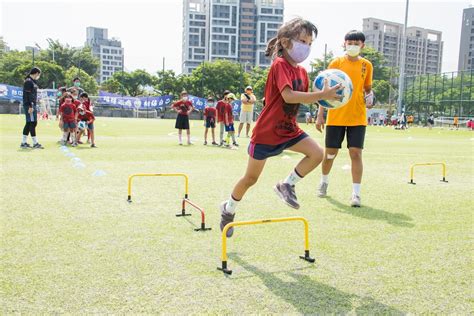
{"points": [[355, 200], [323, 189]]}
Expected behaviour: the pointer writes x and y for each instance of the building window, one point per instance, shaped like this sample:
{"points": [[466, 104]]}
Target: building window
{"points": [[266, 11]]}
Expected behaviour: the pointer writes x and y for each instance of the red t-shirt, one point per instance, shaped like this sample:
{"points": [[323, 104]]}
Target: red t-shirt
{"points": [[76, 103], [277, 122], [220, 107], [88, 116], [68, 112], [183, 107], [229, 115], [210, 112], [86, 105]]}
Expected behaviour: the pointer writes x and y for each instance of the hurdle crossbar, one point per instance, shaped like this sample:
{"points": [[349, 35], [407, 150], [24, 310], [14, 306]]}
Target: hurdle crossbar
{"points": [[306, 256], [412, 170]]}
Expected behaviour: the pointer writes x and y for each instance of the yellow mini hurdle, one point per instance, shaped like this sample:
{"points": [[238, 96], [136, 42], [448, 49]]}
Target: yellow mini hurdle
{"points": [[185, 198], [412, 170], [306, 256]]}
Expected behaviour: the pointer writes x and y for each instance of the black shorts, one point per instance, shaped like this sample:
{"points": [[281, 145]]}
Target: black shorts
{"points": [[335, 136], [210, 122], [182, 122], [262, 151]]}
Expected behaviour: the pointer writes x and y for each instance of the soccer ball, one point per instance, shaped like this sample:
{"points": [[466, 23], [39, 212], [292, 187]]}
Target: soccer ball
{"points": [[82, 125], [334, 77]]}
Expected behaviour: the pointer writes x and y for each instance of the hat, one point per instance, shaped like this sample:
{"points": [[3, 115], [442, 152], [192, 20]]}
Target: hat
{"points": [[231, 96], [248, 88]]}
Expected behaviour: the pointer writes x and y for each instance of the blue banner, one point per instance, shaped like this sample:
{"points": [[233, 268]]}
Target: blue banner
{"points": [[11, 92], [134, 102], [236, 106], [198, 103]]}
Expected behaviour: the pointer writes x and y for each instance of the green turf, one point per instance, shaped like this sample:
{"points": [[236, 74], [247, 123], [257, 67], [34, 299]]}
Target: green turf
{"points": [[70, 243]]}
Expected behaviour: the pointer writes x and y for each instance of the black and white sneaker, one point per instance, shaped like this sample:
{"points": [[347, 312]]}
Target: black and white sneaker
{"points": [[25, 145], [235, 144], [286, 192], [38, 146]]}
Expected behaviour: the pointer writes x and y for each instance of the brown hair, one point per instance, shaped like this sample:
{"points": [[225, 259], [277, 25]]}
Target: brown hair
{"points": [[290, 29]]}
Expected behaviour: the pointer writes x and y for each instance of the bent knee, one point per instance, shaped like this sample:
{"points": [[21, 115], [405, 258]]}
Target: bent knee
{"points": [[355, 154]]}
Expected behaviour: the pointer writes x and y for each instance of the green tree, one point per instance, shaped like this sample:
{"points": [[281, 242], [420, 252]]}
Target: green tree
{"points": [[49, 72], [381, 72], [88, 82], [381, 90], [131, 84], [258, 80], [320, 64], [67, 57]]}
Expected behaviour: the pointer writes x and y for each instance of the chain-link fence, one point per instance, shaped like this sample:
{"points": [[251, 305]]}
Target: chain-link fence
{"points": [[445, 95]]}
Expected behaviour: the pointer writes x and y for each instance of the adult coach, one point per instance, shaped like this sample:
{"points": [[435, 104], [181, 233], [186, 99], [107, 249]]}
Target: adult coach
{"points": [[30, 94], [351, 119], [246, 112]]}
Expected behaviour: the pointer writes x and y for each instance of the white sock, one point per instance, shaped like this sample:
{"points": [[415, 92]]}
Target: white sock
{"points": [[25, 139], [292, 178], [65, 136], [189, 138], [231, 205], [233, 138], [35, 141], [180, 138], [325, 178], [356, 188]]}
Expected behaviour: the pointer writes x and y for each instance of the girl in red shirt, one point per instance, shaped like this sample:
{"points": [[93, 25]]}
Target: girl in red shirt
{"points": [[276, 128], [184, 107]]}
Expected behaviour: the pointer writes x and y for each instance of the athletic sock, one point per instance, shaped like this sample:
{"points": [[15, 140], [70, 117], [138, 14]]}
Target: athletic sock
{"points": [[356, 188], [35, 141], [231, 205], [65, 136], [180, 138], [189, 138], [233, 138], [293, 178], [25, 139], [325, 178]]}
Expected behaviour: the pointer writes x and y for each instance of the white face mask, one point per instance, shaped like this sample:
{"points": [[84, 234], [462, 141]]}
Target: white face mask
{"points": [[353, 50], [185, 98], [299, 51]]}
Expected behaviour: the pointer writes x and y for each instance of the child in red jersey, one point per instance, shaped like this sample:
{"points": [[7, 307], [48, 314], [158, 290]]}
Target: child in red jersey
{"points": [[276, 128], [88, 118], [87, 105], [68, 114], [184, 107], [229, 120], [220, 107], [210, 114]]}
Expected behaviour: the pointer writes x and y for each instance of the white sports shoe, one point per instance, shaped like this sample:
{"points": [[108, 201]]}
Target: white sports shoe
{"points": [[323, 189], [355, 200]]}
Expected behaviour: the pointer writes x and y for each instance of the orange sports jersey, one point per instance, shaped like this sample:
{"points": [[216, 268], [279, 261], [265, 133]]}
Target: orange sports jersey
{"points": [[354, 112]]}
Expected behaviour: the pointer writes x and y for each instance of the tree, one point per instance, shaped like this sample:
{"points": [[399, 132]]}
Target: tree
{"points": [[258, 80], [67, 57], [49, 72], [130, 84], [381, 90], [212, 78], [381, 72], [88, 82]]}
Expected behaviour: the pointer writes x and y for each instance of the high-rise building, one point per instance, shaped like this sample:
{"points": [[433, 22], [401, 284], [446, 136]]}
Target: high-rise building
{"points": [[109, 52], [424, 51], [236, 30], [466, 47]]}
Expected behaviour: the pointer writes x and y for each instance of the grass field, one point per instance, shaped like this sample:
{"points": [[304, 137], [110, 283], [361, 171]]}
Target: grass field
{"points": [[70, 243]]}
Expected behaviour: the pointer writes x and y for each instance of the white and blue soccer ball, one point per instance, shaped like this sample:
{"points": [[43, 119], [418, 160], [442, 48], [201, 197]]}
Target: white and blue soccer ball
{"points": [[82, 125], [334, 77]]}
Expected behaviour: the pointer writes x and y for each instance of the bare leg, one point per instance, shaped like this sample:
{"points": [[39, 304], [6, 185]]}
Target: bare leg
{"points": [[247, 129], [313, 155], [356, 164], [329, 156], [254, 169], [241, 125]]}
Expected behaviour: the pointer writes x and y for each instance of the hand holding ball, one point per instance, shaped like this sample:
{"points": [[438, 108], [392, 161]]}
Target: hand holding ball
{"points": [[334, 77]]}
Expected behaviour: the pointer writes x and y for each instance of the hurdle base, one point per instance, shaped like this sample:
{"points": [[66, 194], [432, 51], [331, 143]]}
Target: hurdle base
{"points": [[224, 268], [444, 180], [129, 199], [202, 228], [183, 213], [411, 182], [306, 257]]}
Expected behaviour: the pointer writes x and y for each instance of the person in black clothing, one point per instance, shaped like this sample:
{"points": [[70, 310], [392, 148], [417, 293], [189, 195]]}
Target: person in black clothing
{"points": [[30, 89]]}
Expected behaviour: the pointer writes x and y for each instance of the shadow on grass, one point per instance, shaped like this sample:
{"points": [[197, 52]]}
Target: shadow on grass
{"points": [[311, 297], [367, 212]]}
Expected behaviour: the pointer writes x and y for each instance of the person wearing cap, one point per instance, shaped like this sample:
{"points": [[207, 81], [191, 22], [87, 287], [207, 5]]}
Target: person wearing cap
{"points": [[246, 112], [210, 114], [229, 120], [184, 107]]}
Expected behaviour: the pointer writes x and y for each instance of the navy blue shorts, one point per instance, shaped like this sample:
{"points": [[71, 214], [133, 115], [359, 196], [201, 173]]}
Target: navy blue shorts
{"points": [[210, 122], [230, 128], [69, 125], [262, 151], [30, 117], [90, 126]]}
